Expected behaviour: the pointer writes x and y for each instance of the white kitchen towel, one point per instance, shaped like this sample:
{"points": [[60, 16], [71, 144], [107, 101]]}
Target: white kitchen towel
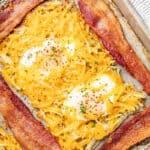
{"points": [[142, 8]]}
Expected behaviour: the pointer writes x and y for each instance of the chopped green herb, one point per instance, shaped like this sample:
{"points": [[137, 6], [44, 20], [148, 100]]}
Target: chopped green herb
{"points": [[70, 96], [86, 94], [82, 108], [54, 49], [96, 62], [93, 123], [115, 69]]}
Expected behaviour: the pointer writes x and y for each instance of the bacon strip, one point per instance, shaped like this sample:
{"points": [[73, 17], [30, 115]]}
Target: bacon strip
{"points": [[130, 133], [27, 130], [12, 15], [100, 18]]}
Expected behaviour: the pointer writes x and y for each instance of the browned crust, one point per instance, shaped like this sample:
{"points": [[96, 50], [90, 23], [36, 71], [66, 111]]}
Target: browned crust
{"points": [[27, 130], [13, 14], [100, 18], [130, 133]]}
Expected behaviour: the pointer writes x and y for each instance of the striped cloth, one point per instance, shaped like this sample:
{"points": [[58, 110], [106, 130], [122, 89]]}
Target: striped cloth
{"points": [[142, 7]]}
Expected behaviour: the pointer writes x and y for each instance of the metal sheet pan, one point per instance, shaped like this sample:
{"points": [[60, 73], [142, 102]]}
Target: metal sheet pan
{"points": [[135, 20], [129, 15]]}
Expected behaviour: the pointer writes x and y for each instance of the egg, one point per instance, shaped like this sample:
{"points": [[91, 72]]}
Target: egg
{"points": [[81, 97]]}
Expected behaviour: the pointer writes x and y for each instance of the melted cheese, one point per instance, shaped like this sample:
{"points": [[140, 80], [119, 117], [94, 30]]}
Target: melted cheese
{"points": [[7, 141], [67, 75]]}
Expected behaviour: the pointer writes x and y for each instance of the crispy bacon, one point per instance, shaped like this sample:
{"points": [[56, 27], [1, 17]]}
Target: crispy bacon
{"points": [[27, 130], [12, 15], [100, 18], [130, 133]]}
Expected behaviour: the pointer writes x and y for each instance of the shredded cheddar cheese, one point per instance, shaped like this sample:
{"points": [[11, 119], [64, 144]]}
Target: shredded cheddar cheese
{"points": [[7, 141], [68, 76]]}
